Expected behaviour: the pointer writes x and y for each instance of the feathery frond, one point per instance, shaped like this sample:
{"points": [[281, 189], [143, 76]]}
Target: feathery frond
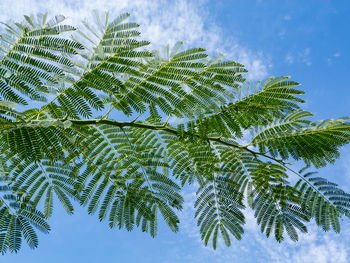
{"points": [[92, 116]]}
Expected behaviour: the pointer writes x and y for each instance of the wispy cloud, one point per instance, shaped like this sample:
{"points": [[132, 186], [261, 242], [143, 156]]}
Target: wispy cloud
{"points": [[316, 246], [305, 56], [289, 59], [301, 56], [163, 22], [334, 57]]}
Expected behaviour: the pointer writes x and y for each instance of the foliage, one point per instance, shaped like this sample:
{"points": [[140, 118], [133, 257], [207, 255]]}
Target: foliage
{"points": [[92, 116]]}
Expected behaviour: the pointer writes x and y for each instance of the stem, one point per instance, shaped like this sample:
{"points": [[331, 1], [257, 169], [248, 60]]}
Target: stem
{"points": [[142, 125]]}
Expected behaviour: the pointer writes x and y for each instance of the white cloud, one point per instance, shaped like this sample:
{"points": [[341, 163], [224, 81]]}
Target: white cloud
{"points": [[162, 22], [258, 67], [331, 59], [173, 120], [328, 251], [282, 34], [302, 56], [289, 59], [305, 56], [315, 246], [188, 222]]}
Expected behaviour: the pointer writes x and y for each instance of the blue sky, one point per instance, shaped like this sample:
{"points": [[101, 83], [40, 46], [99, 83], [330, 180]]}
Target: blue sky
{"points": [[308, 40]]}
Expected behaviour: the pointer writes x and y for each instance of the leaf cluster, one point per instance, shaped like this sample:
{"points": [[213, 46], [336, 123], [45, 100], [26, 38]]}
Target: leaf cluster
{"points": [[92, 116]]}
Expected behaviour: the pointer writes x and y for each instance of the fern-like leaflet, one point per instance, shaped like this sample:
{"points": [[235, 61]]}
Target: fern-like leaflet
{"points": [[92, 116]]}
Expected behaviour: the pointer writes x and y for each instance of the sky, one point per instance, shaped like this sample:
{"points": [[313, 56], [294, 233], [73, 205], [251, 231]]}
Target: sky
{"points": [[308, 40]]}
